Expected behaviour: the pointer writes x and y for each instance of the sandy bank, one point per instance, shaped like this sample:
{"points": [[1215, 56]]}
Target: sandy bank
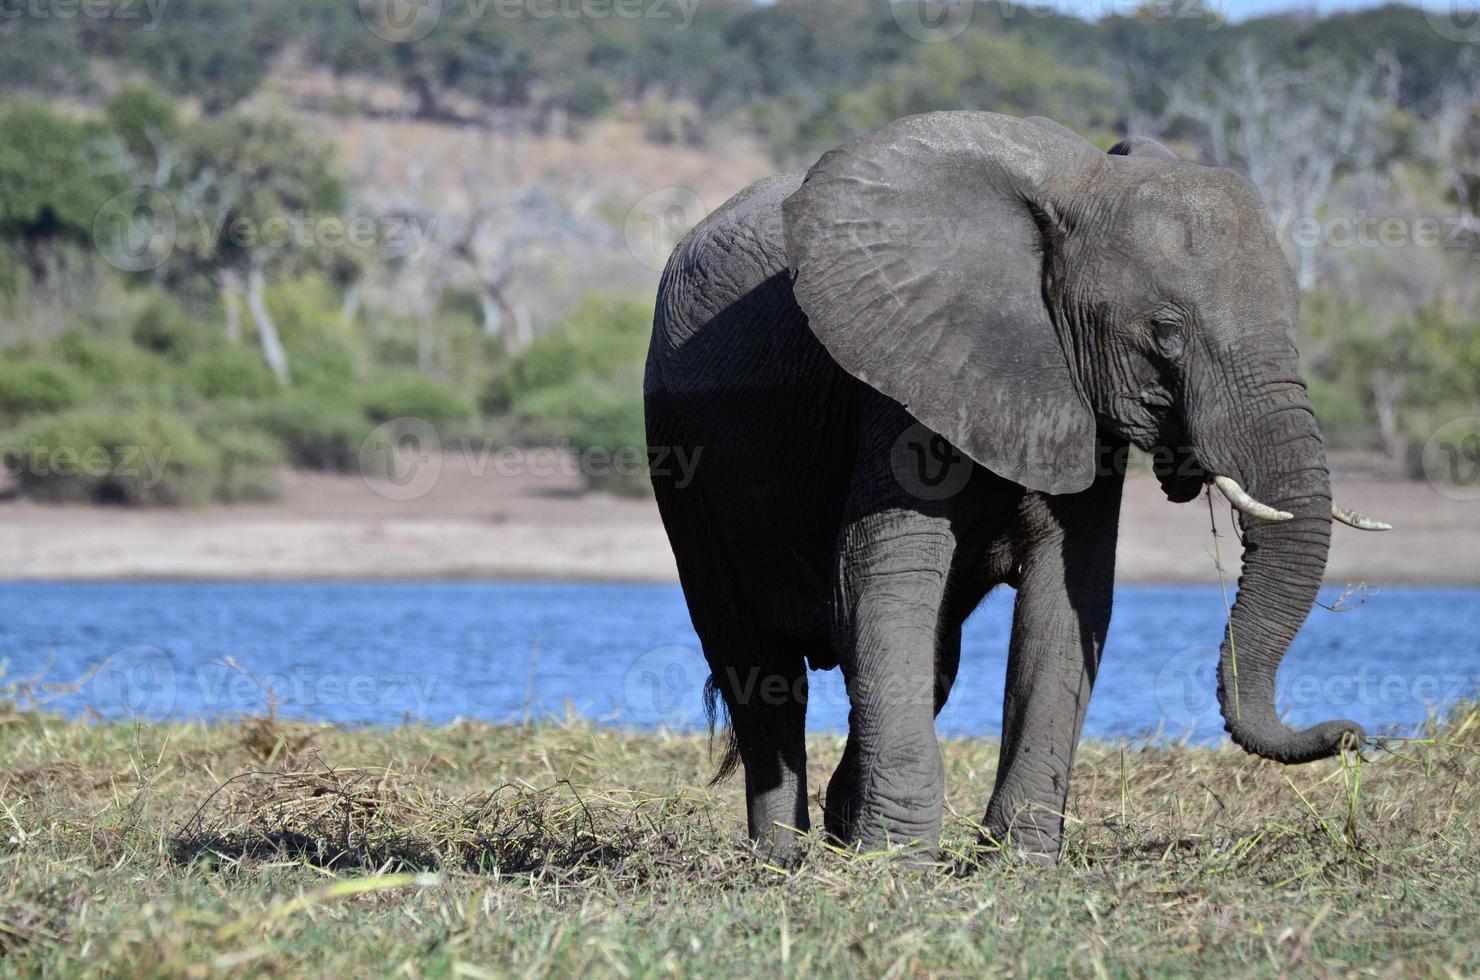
{"points": [[484, 525]]}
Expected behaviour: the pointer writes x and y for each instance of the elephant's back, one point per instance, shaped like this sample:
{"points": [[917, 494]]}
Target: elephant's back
{"points": [[735, 372], [729, 270]]}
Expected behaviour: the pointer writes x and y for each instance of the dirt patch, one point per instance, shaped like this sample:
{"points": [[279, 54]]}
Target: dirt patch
{"points": [[478, 523]]}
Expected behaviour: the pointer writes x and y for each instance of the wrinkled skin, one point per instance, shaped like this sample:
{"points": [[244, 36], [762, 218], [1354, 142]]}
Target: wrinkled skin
{"points": [[910, 376]]}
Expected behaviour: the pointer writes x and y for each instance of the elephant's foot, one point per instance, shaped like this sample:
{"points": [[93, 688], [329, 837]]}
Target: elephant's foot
{"points": [[1034, 834], [778, 816], [839, 812]]}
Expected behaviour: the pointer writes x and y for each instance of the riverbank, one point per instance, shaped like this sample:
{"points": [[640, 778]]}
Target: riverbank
{"points": [[476, 850], [477, 523]]}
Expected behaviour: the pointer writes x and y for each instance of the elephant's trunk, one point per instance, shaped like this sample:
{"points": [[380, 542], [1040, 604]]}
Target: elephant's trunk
{"points": [[1284, 466]]}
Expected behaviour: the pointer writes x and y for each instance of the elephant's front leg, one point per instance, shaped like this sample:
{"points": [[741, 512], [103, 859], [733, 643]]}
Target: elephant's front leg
{"points": [[1067, 578], [890, 584]]}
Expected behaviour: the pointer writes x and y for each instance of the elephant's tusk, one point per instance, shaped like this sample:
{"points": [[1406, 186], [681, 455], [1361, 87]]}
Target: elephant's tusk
{"points": [[1352, 519], [1246, 504]]}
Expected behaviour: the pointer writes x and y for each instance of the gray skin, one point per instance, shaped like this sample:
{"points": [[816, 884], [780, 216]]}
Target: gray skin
{"points": [[910, 375]]}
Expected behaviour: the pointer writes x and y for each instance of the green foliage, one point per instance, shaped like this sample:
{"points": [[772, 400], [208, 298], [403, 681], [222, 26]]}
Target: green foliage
{"points": [[1346, 420], [320, 343], [1000, 74], [231, 373], [37, 387], [40, 55], [414, 396], [163, 327], [48, 189], [112, 456], [318, 429], [216, 51], [580, 386], [109, 363], [603, 343], [249, 463], [145, 120]]}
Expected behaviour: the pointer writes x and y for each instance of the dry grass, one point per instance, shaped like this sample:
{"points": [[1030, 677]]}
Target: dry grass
{"points": [[479, 850]]}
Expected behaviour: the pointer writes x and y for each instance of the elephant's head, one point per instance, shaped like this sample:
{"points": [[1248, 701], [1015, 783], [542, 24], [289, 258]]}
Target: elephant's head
{"points": [[1022, 294]]}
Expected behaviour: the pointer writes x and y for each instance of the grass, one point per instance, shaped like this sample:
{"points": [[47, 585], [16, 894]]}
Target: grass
{"points": [[474, 850]]}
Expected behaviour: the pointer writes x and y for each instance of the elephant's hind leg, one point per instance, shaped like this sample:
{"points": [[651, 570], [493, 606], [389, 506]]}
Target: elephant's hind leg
{"points": [[766, 695], [760, 676]]}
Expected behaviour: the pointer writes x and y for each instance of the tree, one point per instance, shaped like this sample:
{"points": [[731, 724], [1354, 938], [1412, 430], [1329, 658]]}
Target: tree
{"points": [[1292, 131], [51, 187]]}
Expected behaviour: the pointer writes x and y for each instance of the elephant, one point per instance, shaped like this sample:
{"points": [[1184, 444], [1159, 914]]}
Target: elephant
{"points": [[910, 375]]}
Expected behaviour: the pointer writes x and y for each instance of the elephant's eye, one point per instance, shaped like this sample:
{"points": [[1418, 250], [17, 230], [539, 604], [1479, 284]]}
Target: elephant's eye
{"points": [[1169, 337]]}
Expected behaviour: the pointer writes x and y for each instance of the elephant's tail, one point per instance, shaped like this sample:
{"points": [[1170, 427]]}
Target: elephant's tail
{"points": [[714, 705]]}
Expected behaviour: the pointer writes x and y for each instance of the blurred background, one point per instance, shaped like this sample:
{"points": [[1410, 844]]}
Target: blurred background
{"points": [[339, 289]]}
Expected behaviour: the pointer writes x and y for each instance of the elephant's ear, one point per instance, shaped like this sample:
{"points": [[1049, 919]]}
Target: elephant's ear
{"points": [[921, 255], [1141, 146]]}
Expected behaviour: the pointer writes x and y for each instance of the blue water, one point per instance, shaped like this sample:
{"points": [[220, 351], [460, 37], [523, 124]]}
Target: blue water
{"points": [[383, 653]]}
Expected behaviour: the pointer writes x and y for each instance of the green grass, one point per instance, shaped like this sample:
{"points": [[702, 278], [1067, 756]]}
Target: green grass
{"points": [[474, 850]]}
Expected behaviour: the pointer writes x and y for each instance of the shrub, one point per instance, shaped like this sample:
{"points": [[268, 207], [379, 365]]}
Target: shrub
{"points": [[248, 463], [163, 328], [552, 360], [319, 340], [1345, 421], [232, 372], [414, 396], [318, 430], [606, 340], [602, 423], [36, 387], [107, 455], [110, 363]]}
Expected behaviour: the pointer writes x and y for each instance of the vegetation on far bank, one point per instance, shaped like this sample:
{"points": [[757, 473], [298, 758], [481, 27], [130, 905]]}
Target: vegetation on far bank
{"points": [[271, 848], [180, 193]]}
